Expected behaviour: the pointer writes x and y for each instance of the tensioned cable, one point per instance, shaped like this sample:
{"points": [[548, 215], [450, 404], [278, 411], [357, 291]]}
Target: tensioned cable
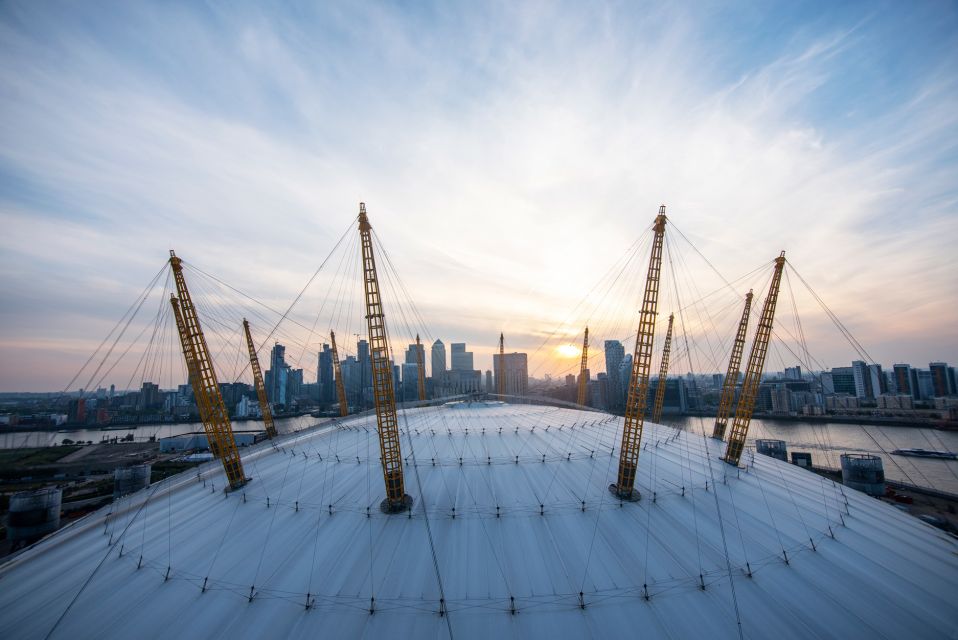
{"points": [[106, 555]]}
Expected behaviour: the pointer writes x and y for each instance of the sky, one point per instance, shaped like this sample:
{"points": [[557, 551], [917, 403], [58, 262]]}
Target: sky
{"points": [[508, 153]]}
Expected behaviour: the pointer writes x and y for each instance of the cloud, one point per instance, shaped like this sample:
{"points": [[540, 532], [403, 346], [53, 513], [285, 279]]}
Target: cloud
{"points": [[508, 156]]}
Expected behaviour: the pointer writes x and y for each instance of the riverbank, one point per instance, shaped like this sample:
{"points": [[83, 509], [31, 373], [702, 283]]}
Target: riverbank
{"points": [[877, 421]]}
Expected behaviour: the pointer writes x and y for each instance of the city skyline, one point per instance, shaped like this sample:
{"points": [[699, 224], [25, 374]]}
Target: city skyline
{"points": [[505, 164]]}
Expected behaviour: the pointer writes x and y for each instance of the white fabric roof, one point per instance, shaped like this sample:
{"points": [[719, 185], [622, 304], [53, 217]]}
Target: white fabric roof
{"points": [[884, 574]]}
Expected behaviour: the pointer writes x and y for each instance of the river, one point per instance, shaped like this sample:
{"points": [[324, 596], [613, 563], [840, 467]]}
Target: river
{"points": [[18, 439], [826, 441]]}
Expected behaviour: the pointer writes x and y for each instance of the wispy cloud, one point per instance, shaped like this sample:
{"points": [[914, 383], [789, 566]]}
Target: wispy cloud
{"points": [[508, 155]]}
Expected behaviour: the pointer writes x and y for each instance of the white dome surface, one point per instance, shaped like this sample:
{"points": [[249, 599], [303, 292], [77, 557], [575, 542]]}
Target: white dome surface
{"points": [[502, 548]]}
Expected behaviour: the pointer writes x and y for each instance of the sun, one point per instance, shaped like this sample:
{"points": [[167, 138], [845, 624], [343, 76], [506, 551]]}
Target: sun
{"points": [[567, 351]]}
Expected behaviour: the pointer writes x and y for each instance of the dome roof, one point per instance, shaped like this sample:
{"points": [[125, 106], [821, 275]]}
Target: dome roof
{"points": [[513, 533]]}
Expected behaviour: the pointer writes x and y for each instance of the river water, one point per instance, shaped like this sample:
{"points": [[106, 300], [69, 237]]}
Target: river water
{"points": [[825, 441], [15, 440]]}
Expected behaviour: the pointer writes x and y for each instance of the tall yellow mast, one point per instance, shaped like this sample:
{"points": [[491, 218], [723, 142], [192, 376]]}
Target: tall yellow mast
{"points": [[641, 362], [731, 376], [383, 392], [583, 368], [663, 374], [338, 374], [421, 368], [209, 399], [258, 383], [753, 373], [501, 374]]}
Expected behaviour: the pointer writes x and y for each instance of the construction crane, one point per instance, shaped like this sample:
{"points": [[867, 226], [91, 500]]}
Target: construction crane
{"points": [[663, 374], [258, 383], [637, 398], [383, 392], [753, 373], [731, 376], [501, 374], [338, 374], [421, 366], [583, 368], [206, 390]]}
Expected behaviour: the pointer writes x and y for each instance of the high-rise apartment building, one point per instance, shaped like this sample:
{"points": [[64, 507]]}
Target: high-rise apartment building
{"points": [[902, 374], [516, 372], [939, 379], [277, 375], [324, 375], [614, 355]]}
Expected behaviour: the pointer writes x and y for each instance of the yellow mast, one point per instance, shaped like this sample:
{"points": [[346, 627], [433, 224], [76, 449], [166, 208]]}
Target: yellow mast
{"points": [[421, 367], [501, 374], [258, 383], [383, 392], [637, 398], [583, 367], [206, 390], [663, 374], [753, 373], [338, 374], [731, 376]]}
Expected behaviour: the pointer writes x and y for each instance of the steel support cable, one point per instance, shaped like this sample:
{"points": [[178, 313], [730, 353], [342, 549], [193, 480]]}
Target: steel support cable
{"points": [[309, 282], [708, 457], [893, 461], [485, 530], [402, 287], [325, 299], [834, 318], [688, 457], [144, 357], [598, 328], [93, 573], [425, 515], [134, 309], [705, 326], [595, 527], [630, 254]]}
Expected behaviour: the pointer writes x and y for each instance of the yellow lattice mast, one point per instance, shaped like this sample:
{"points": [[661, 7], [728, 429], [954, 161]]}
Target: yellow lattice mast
{"points": [[637, 397], [731, 376], [421, 368], [206, 390], [383, 392], [663, 374], [258, 383], [583, 368], [501, 376], [753, 373], [338, 374]]}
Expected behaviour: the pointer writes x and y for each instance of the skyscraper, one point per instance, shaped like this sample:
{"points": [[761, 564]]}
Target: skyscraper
{"points": [[438, 360], [461, 359], [276, 376], [412, 357], [863, 387], [614, 354], [516, 372], [324, 375]]}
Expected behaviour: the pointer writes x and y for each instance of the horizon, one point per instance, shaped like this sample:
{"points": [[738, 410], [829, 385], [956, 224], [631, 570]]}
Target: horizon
{"points": [[509, 157]]}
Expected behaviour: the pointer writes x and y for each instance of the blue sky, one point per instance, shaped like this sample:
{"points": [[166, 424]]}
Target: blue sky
{"points": [[492, 141]]}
